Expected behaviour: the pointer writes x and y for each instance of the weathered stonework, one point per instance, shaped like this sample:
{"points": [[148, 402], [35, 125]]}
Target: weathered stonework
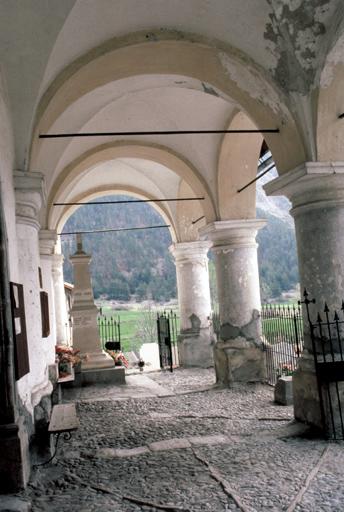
{"points": [[283, 392], [195, 339], [316, 190], [238, 354]]}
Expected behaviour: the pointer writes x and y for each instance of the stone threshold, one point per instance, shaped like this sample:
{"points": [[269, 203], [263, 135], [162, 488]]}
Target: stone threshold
{"points": [[158, 446]]}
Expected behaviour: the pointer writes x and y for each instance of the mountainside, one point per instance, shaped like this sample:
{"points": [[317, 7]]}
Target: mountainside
{"points": [[137, 264], [128, 263], [277, 256]]}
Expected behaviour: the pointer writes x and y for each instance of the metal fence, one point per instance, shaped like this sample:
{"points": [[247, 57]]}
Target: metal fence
{"points": [[168, 330], [282, 328], [327, 334], [109, 328]]}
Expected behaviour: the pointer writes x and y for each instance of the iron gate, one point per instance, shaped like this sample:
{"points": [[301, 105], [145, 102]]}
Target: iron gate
{"points": [[327, 346], [167, 327], [283, 335]]}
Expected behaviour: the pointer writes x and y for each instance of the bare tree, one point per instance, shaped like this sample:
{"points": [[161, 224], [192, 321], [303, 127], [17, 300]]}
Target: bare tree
{"points": [[146, 329]]}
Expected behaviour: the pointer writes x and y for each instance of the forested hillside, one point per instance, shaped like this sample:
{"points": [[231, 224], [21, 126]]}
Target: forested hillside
{"points": [[138, 264], [128, 263]]}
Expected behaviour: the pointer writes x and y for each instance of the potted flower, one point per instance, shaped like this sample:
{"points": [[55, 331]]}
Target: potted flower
{"points": [[67, 358], [118, 357]]}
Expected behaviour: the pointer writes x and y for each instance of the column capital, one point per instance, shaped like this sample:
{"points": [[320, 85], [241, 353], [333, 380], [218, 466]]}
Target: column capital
{"points": [[310, 186], [188, 251], [30, 196], [233, 234], [47, 241]]}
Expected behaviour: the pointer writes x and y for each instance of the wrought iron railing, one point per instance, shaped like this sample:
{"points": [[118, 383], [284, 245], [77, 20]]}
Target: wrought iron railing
{"points": [[327, 337], [168, 331], [282, 328], [109, 328]]}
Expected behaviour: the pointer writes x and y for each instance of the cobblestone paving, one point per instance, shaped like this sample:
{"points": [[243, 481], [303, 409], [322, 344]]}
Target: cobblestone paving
{"points": [[213, 451]]}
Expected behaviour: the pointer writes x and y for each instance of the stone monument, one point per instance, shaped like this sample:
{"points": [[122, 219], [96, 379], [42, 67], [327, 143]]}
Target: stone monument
{"points": [[84, 314]]}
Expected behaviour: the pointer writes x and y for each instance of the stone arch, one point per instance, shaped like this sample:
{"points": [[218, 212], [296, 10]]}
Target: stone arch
{"points": [[238, 159], [219, 68], [57, 221], [330, 104], [156, 154], [188, 213]]}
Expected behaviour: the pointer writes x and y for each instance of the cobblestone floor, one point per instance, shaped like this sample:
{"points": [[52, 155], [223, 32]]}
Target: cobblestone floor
{"points": [[188, 448]]}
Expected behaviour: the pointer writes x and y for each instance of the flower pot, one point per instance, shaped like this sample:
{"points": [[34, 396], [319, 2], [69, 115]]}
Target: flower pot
{"points": [[65, 369]]}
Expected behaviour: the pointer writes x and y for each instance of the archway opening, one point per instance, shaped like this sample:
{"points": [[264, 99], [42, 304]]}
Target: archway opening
{"points": [[133, 274]]}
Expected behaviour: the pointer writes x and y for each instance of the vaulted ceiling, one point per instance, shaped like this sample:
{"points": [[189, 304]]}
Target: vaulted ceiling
{"points": [[128, 65]]}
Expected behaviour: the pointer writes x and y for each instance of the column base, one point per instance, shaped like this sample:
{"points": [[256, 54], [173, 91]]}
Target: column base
{"points": [[239, 360], [196, 349], [14, 460], [307, 402], [97, 360]]}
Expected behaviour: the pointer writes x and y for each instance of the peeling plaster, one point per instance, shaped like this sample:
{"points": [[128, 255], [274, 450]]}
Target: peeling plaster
{"points": [[249, 332], [209, 90], [335, 57], [297, 32], [249, 81]]}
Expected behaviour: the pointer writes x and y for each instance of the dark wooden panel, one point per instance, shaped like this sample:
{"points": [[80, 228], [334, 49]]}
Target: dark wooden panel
{"points": [[22, 366], [45, 314]]}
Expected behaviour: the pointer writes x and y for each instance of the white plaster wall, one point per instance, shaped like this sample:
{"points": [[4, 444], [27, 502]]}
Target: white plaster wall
{"points": [[25, 270], [6, 180], [35, 384]]}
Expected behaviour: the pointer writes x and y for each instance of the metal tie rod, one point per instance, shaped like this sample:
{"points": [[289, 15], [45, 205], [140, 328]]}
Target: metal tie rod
{"points": [[256, 178], [126, 201], [113, 230], [162, 132]]}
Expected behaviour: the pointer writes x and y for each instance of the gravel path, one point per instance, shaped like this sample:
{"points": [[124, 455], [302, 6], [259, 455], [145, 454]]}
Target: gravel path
{"points": [[212, 450]]}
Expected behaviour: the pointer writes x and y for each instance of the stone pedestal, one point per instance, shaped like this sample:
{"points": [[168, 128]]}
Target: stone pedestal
{"points": [[238, 354], [195, 340], [283, 393], [84, 314], [316, 190]]}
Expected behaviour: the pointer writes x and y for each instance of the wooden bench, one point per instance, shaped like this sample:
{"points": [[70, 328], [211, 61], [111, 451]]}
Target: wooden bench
{"points": [[63, 420]]}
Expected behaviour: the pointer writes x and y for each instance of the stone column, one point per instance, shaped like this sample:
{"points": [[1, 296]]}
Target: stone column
{"points": [[84, 314], [195, 342], [316, 190], [238, 353], [59, 299]]}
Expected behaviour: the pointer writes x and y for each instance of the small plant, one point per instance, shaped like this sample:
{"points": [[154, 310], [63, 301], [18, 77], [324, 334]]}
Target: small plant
{"points": [[67, 355], [119, 358], [287, 369]]}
